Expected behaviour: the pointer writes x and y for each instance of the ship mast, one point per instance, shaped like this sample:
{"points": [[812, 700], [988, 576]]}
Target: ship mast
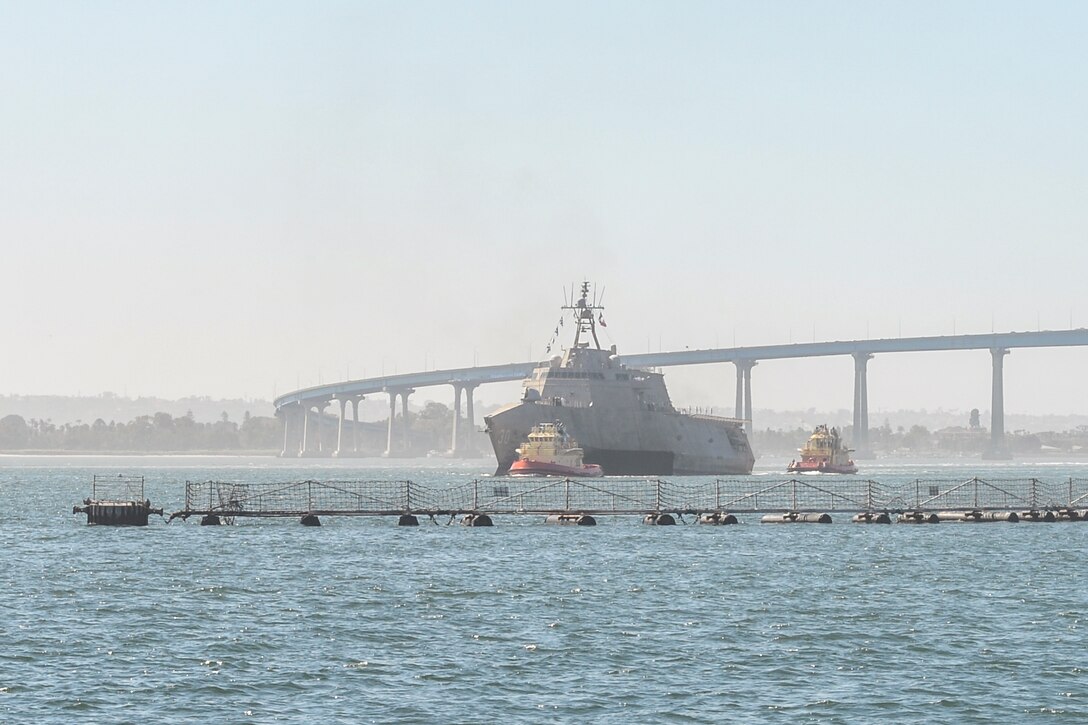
{"points": [[584, 319]]}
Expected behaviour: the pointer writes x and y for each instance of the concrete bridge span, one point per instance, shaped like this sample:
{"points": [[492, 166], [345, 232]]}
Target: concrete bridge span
{"points": [[302, 409], [298, 408]]}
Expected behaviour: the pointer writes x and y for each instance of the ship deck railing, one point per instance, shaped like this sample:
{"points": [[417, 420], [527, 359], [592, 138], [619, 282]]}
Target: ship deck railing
{"points": [[716, 418], [627, 496]]}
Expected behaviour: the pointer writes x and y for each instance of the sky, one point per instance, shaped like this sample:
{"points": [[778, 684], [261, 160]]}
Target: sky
{"points": [[238, 199]]}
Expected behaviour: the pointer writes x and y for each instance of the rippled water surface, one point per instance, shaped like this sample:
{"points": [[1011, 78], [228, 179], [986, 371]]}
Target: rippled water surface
{"points": [[359, 621]]}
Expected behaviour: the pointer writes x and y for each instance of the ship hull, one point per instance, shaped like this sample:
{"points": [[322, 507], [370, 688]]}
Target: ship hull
{"points": [[630, 442], [830, 468], [544, 468]]}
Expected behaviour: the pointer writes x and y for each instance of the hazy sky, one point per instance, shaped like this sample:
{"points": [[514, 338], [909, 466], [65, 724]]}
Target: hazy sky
{"points": [[236, 199]]}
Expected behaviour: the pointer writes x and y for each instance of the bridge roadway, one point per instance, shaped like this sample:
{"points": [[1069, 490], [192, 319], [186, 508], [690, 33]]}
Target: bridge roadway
{"points": [[302, 436]]}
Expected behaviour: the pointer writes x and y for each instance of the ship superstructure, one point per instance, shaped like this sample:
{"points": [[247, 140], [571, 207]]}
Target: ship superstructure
{"points": [[622, 417]]}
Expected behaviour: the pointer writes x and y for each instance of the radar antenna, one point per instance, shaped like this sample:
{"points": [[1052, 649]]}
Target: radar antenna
{"points": [[584, 319]]}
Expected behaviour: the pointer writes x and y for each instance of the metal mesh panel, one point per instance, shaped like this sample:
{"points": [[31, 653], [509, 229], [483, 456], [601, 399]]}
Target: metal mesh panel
{"points": [[973, 493], [548, 495], [297, 497], [118, 488], [797, 495], [624, 496]]}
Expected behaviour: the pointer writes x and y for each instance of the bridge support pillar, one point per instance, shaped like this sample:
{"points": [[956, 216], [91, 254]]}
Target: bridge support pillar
{"points": [[304, 439], [404, 419], [286, 426], [293, 417], [457, 390], [998, 449], [340, 428], [861, 405], [458, 444], [743, 407], [392, 415], [355, 423], [319, 425], [470, 416], [391, 437]]}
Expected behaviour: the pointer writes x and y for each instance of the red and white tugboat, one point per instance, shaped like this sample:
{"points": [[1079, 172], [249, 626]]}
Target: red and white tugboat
{"points": [[550, 451], [824, 453]]}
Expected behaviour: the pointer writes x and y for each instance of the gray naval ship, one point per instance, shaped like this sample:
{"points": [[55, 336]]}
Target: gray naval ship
{"points": [[622, 417]]}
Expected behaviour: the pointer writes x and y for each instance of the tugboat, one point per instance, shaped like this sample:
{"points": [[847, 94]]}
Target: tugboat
{"points": [[550, 451], [824, 452]]}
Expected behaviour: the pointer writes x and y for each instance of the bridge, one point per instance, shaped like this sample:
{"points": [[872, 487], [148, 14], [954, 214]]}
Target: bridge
{"points": [[302, 410]]}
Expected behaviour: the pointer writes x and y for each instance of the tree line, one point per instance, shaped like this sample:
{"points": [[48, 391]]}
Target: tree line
{"points": [[429, 429], [160, 432], [918, 440]]}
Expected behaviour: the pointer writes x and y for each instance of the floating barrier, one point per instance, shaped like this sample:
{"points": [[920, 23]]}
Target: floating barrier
{"points": [[796, 517], [1010, 517], [477, 520], [310, 520], [655, 501], [1038, 516], [917, 517], [117, 501], [872, 517], [977, 516], [718, 518], [570, 520]]}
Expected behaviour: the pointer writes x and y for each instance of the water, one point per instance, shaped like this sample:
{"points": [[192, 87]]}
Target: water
{"points": [[361, 621]]}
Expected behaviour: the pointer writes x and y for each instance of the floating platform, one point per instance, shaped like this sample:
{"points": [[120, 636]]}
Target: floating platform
{"points": [[657, 501], [117, 501]]}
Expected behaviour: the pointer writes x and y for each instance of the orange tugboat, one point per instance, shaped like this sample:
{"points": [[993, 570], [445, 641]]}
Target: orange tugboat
{"points": [[824, 453], [550, 451]]}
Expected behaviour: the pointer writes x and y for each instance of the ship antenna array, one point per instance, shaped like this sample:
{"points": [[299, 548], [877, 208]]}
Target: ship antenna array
{"points": [[584, 314]]}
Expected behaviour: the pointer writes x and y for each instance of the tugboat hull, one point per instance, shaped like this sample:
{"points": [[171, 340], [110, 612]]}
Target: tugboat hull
{"points": [[822, 469], [543, 468]]}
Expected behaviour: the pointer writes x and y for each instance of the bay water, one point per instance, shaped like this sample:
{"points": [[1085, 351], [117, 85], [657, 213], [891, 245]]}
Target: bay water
{"points": [[361, 621]]}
